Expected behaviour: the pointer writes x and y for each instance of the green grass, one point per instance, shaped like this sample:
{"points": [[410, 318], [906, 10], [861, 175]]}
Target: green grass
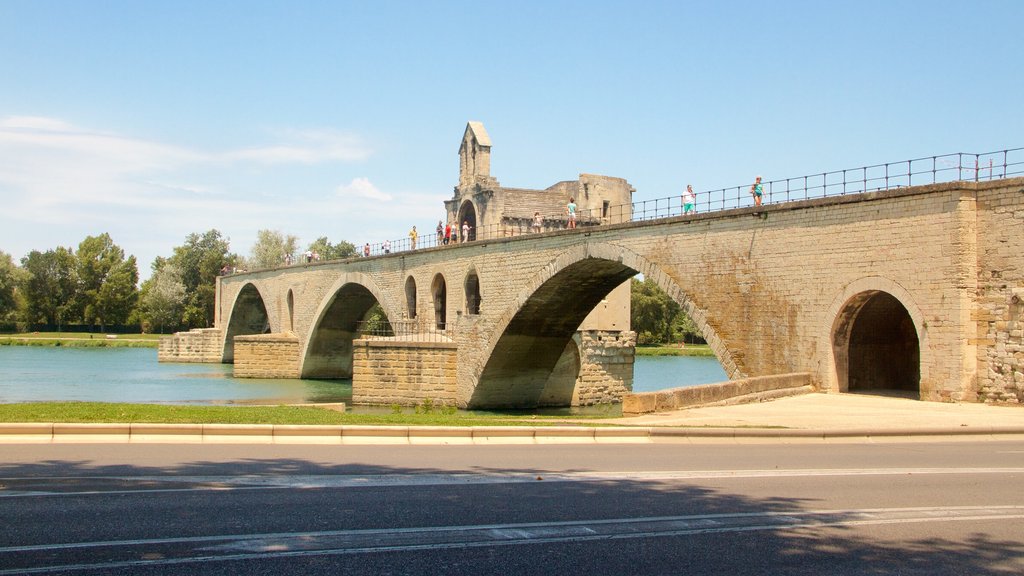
{"points": [[673, 350], [80, 340], [105, 412]]}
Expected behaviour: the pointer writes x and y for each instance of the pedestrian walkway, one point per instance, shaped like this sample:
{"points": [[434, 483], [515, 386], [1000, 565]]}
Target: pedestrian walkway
{"points": [[842, 412]]}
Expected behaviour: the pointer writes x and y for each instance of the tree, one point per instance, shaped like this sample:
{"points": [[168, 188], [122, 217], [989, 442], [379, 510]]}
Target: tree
{"points": [[199, 262], [270, 249], [10, 277], [656, 318], [50, 286], [118, 294], [162, 297], [101, 262], [327, 251]]}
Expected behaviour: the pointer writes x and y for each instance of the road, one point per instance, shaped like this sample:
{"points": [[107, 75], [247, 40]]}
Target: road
{"points": [[898, 508]]}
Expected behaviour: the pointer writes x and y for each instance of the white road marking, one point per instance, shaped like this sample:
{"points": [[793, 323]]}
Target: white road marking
{"points": [[240, 547]]}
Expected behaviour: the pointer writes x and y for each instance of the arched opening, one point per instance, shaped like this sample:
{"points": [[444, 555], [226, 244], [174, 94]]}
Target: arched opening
{"points": [[520, 368], [249, 316], [467, 215], [410, 297], [329, 353], [472, 289], [291, 311], [876, 347], [440, 292]]}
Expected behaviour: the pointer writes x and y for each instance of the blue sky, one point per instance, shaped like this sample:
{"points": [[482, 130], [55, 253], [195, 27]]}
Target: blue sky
{"points": [[152, 120]]}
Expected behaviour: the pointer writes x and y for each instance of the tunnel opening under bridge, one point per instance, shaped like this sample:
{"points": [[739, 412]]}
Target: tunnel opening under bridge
{"points": [[876, 347]]}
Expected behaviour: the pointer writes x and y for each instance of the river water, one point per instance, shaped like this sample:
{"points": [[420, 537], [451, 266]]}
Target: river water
{"points": [[44, 374]]}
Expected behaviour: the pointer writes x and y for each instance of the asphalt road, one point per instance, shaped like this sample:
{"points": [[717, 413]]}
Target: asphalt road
{"points": [[900, 508]]}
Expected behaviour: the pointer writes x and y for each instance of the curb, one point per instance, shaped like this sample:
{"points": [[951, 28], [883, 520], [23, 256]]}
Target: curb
{"points": [[65, 433]]}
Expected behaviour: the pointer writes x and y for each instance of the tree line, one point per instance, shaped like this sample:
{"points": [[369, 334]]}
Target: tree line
{"points": [[98, 286]]}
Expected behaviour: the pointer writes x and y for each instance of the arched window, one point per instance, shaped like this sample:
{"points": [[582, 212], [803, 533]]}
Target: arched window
{"points": [[440, 292], [472, 289], [410, 297]]}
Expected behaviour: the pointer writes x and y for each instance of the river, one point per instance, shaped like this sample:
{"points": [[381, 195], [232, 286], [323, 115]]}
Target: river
{"points": [[45, 374]]}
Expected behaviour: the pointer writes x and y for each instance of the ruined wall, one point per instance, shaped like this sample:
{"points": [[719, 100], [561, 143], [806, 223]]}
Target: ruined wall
{"points": [[606, 366], [201, 345]]}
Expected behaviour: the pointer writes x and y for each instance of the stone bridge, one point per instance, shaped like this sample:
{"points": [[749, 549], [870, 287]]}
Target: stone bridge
{"points": [[918, 289]]}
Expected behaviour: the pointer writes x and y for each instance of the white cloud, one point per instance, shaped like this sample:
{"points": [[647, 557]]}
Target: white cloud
{"points": [[361, 188], [306, 147], [60, 182]]}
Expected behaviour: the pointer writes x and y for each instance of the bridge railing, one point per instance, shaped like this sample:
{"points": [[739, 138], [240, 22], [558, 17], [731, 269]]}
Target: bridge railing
{"points": [[414, 330], [928, 170]]}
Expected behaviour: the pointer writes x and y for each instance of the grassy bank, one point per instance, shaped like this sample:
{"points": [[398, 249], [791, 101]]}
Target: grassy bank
{"points": [[673, 350], [100, 412], [81, 340]]}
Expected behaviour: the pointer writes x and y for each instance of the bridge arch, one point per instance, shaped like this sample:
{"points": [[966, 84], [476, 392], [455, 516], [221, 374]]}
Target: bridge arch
{"points": [[531, 336], [328, 349], [875, 339], [248, 316]]}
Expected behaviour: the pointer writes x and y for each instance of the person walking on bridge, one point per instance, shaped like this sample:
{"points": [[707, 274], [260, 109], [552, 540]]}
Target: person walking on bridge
{"points": [[465, 231], [440, 233], [689, 200], [757, 191], [570, 211], [413, 236], [447, 233]]}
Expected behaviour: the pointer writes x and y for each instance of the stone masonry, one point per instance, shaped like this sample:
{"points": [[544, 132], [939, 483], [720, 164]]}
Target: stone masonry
{"points": [[266, 356], [405, 373], [769, 293]]}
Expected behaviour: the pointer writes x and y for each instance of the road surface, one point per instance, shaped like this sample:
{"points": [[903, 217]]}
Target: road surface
{"points": [[899, 508]]}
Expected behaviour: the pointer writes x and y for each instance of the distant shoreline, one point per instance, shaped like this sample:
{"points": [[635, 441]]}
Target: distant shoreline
{"points": [[81, 340]]}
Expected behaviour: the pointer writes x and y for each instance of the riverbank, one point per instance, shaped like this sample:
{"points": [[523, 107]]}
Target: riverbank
{"points": [[110, 412], [81, 340], [674, 350]]}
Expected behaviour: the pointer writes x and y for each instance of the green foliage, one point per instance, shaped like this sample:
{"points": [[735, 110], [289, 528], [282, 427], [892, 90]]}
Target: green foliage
{"points": [[376, 321], [327, 251], [10, 277], [656, 318], [270, 249], [199, 262], [107, 283], [162, 298], [50, 287]]}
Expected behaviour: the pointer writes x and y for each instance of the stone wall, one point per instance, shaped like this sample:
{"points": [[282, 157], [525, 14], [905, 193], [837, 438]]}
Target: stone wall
{"points": [[766, 290], [266, 356], [742, 391], [1000, 312], [406, 373], [201, 345], [606, 367]]}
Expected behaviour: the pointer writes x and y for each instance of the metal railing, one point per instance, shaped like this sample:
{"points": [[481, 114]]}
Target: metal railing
{"points": [[417, 330], [919, 171]]}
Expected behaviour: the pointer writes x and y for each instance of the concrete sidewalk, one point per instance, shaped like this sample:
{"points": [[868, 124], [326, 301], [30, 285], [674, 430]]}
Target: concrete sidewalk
{"points": [[807, 418], [833, 412]]}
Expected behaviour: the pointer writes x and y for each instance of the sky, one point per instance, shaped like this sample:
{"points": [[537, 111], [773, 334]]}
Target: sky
{"points": [[153, 120]]}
